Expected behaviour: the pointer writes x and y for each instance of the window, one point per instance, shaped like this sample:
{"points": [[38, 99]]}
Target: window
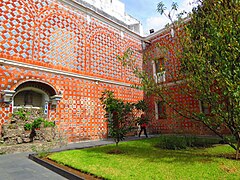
{"points": [[205, 108], [161, 110], [159, 70]]}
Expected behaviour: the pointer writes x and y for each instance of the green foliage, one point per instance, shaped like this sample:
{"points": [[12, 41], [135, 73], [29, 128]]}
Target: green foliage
{"points": [[37, 123], [22, 114], [183, 142], [210, 61], [119, 115], [207, 46], [141, 105], [48, 124], [28, 126]]}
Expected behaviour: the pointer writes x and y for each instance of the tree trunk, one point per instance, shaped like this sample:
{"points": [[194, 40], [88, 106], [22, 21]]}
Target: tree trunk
{"points": [[238, 146]]}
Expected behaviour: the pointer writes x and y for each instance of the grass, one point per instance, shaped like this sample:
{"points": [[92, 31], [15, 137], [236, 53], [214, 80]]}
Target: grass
{"points": [[142, 159]]}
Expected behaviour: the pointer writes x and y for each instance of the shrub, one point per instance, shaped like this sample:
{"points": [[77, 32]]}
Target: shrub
{"points": [[183, 142], [22, 114], [48, 124], [37, 123], [28, 126]]}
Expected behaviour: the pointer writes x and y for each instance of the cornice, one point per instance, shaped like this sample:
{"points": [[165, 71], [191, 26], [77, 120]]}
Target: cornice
{"points": [[65, 73], [100, 15]]}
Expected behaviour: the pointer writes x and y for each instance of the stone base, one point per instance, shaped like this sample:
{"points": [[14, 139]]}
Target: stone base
{"points": [[30, 147]]}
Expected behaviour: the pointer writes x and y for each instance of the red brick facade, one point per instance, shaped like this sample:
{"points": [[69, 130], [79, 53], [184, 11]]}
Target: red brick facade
{"points": [[172, 122], [72, 52], [64, 47]]}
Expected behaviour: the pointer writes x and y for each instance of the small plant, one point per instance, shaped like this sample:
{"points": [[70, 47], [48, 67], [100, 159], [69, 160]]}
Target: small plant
{"points": [[28, 126], [37, 123], [22, 114], [118, 114], [42, 151], [48, 124]]}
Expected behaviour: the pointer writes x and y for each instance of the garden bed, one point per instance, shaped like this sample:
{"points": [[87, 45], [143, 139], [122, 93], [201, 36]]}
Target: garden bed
{"points": [[65, 171]]}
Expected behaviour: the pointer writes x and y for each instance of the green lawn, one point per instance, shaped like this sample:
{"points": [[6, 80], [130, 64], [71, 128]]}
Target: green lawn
{"points": [[143, 160]]}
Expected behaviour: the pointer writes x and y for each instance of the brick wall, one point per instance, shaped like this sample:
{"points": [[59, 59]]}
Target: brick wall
{"points": [[173, 122], [70, 50]]}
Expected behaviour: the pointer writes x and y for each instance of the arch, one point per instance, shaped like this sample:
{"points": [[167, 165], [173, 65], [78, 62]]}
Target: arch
{"points": [[32, 93], [103, 50], [30, 96], [71, 42], [46, 87]]}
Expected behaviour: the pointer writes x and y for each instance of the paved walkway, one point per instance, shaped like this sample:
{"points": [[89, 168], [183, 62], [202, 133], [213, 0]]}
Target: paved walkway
{"points": [[19, 167]]}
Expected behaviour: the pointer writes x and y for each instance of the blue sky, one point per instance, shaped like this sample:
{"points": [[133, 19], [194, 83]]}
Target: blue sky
{"points": [[145, 11]]}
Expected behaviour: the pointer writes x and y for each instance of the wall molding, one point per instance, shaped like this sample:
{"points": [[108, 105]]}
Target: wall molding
{"points": [[4, 61]]}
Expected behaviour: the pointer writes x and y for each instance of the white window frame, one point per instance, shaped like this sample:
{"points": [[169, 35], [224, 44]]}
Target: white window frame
{"points": [[160, 76]]}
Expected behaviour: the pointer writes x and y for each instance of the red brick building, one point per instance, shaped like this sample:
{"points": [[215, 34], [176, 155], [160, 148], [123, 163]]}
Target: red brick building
{"points": [[162, 64], [60, 56]]}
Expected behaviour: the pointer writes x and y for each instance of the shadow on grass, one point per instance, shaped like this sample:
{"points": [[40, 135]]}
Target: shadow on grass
{"points": [[145, 149]]}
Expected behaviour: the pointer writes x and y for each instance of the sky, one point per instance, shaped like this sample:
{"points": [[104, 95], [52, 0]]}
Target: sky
{"points": [[145, 11]]}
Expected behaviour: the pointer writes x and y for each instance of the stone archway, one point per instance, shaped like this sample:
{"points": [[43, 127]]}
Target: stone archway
{"points": [[30, 97], [33, 94], [30, 106]]}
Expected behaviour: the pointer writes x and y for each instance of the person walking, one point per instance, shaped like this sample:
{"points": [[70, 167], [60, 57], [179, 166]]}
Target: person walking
{"points": [[143, 126]]}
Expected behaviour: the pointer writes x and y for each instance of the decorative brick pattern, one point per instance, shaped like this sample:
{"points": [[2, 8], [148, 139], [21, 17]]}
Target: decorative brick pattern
{"points": [[173, 122], [52, 35], [16, 26]]}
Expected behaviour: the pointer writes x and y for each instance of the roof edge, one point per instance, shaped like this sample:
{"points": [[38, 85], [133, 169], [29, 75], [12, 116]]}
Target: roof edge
{"points": [[100, 15]]}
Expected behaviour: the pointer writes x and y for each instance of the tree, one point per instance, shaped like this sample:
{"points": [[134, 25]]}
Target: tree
{"points": [[208, 71], [121, 116]]}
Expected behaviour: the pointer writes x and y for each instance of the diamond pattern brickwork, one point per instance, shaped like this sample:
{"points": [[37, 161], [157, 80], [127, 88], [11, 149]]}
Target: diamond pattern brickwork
{"points": [[79, 114], [16, 29], [49, 34], [173, 122]]}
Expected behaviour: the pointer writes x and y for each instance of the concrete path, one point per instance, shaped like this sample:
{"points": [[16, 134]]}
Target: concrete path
{"points": [[19, 167]]}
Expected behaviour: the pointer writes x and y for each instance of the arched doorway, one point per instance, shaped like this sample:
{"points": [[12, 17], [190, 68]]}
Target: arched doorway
{"points": [[30, 97], [34, 94]]}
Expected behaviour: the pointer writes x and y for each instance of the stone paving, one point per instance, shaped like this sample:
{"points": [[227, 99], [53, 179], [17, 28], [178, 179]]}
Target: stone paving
{"points": [[19, 167]]}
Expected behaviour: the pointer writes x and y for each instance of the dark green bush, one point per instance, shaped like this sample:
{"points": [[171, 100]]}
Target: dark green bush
{"points": [[183, 142]]}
